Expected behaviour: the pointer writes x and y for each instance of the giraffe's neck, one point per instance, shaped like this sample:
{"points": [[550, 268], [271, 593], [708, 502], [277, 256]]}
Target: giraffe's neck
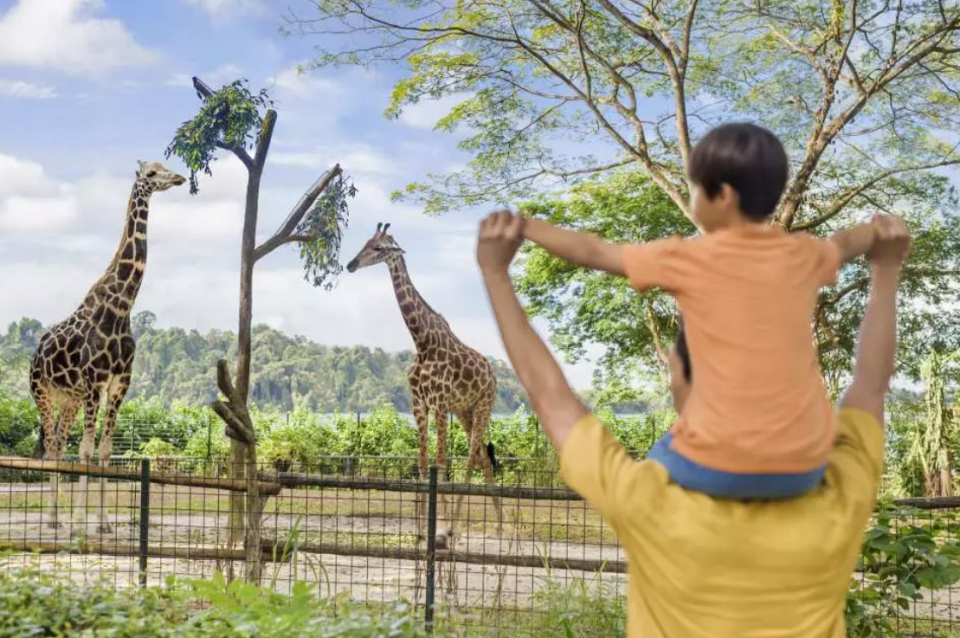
{"points": [[416, 312], [125, 273]]}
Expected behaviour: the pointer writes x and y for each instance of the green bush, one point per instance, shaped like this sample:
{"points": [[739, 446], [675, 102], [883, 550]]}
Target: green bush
{"points": [[19, 424], [300, 440], [35, 604], [157, 448], [898, 560]]}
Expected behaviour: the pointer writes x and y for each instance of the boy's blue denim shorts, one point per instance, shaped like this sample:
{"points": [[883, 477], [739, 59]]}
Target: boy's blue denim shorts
{"points": [[697, 478]]}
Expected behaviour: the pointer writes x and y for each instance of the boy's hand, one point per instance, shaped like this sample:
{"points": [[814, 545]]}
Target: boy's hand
{"points": [[501, 234], [892, 244]]}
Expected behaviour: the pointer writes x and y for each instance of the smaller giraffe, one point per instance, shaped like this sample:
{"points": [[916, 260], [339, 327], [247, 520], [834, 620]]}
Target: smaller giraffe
{"points": [[446, 377], [88, 357]]}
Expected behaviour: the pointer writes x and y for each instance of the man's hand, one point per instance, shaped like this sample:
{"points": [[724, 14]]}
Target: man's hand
{"points": [[892, 243], [874, 364], [501, 234]]}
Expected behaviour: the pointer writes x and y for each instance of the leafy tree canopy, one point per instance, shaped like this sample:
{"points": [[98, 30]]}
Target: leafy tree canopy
{"points": [[865, 95], [551, 90], [584, 307]]}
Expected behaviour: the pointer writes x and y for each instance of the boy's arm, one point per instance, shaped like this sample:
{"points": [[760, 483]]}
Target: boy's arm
{"points": [[583, 249], [592, 461], [855, 241]]}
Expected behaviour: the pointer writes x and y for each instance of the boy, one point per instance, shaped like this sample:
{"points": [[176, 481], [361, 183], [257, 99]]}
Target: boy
{"points": [[758, 423]]}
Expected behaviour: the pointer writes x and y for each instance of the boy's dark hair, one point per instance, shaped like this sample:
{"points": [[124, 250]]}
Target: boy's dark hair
{"points": [[747, 157], [684, 354]]}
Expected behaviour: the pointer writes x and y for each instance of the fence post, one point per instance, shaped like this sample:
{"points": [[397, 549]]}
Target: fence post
{"points": [[209, 440], [431, 550], [144, 518]]}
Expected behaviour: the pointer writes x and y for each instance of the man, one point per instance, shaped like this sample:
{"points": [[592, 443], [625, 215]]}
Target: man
{"points": [[712, 568]]}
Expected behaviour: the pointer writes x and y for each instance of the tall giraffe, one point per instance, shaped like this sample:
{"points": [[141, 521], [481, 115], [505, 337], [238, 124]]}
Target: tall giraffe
{"points": [[89, 356], [447, 377]]}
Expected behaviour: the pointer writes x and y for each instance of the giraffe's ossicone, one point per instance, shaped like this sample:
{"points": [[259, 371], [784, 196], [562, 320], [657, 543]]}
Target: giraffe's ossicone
{"points": [[87, 358]]}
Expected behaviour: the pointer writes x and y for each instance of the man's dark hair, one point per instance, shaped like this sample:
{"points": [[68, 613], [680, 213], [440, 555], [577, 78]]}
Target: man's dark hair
{"points": [[684, 354], [747, 157]]}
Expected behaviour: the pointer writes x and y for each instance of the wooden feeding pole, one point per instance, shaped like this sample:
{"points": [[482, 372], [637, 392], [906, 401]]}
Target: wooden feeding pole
{"points": [[230, 119]]}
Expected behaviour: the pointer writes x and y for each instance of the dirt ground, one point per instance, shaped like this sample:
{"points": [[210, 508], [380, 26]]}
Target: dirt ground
{"points": [[198, 519]]}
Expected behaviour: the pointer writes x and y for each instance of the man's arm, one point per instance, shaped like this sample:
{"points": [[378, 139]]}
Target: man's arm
{"points": [[855, 241], [583, 249], [874, 365], [552, 397]]}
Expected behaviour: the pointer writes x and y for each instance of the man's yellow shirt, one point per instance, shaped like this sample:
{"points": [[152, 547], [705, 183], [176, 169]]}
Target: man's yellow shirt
{"points": [[701, 567]]}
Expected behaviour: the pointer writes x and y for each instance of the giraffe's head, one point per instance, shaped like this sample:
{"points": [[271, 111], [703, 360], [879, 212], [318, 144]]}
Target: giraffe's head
{"points": [[379, 248], [156, 177]]}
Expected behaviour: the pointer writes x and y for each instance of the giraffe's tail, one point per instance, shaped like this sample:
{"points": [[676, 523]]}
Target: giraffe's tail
{"points": [[492, 455]]}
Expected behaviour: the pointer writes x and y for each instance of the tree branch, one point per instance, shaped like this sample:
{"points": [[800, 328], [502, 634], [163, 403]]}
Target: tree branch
{"points": [[203, 92], [863, 281], [851, 193], [824, 133], [264, 139], [284, 234], [233, 412]]}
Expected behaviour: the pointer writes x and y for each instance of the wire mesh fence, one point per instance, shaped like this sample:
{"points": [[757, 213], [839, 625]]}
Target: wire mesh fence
{"points": [[527, 553]]}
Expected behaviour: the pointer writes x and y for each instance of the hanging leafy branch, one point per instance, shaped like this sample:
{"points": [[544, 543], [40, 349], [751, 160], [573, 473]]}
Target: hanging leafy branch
{"points": [[227, 120], [324, 224]]}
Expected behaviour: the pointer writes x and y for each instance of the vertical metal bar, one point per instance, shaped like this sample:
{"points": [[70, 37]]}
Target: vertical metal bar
{"points": [[431, 549], [144, 518], [209, 439]]}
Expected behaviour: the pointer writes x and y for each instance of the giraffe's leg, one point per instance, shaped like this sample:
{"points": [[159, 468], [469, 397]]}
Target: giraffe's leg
{"points": [[91, 406], [466, 420], [50, 451], [67, 415], [106, 449], [441, 416], [422, 415], [481, 425]]}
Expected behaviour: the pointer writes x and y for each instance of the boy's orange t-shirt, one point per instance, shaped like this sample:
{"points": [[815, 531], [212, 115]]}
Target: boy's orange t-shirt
{"points": [[757, 402]]}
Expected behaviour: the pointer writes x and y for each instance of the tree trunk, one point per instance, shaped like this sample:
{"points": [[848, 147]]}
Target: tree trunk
{"points": [[240, 456], [248, 507]]}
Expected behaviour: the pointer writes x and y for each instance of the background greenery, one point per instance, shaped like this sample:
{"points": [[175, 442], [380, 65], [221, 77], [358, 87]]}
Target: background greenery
{"points": [[179, 366]]}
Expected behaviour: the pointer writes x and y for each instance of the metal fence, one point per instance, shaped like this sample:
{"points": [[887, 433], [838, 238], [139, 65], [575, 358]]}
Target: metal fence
{"points": [[353, 526]]}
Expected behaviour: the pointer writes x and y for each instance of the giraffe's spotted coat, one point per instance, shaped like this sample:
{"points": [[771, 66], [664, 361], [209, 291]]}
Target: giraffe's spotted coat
{"points": [[88, 357]]}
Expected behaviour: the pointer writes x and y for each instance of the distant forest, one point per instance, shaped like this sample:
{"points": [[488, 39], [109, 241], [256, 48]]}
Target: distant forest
{"points": [[176, 365]]}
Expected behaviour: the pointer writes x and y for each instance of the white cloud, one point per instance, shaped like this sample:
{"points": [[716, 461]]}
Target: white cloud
{"points": [[26, 90], [355, 160], [227, 8], [23, 177], [64, 35], [295, 82], [426, 113], [36, 213], [215, 79]]}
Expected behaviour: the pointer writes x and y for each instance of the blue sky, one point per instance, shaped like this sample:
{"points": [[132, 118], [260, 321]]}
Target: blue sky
{"points": [[87, 87]]}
